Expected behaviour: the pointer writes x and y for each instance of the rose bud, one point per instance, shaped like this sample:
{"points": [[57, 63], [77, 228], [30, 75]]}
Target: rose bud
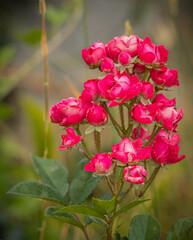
{"points": [[119, 87], [96, 115], [128, 151], [144, 114], [135, 174], [139, 68], [147, 90], [101, 163], [69, 139], [91, 91], [94, 54], [165, 148], [107, 65], [124, 58], [69, 111], [149, 53], [139, 131], [165, 77]]}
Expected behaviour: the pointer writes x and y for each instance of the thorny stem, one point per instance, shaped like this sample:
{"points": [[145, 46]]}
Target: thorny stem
{"points": [[97, 141], [84, 229], [83, 152], [125, 194], [83, 143], [115, 179], [149, 182], [122, 117], [109, 185], [115, 123]]}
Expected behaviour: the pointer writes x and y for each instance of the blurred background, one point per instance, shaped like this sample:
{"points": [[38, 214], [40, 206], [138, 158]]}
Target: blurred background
{"points": [[71, 26]]}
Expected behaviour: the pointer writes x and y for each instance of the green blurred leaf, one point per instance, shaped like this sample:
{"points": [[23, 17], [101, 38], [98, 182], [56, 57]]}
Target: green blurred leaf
{"points": [[129, 206], [6, 86], [83, 183], [31, 37], [88, 220], [52, 172], [38, 190], [180, 229], [6, 55], [104, 206], [55, 15], [6, 111], [85, 210], [118, 237], [144, 227], [50, 212]]}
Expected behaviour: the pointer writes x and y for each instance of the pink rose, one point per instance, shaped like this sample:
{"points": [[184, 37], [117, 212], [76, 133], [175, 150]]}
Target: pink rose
{"points": [[91, 92], [147, 90], [100, 163], [135, 174], [165, 148], [107, 65], [128, 151], [144, 114], [149, 53], [96, 115], [139, 68], [69, 111], [165, 77], [119, 87], [69, 139], [94, 54], [124, 58], [139, 131], [167, 114], [122, 44]]}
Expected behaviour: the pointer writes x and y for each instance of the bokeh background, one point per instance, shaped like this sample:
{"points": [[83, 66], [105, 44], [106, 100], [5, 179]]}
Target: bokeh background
{"points": [[71, 26]]}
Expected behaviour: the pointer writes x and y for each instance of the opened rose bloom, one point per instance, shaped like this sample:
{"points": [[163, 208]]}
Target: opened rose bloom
{"points": [[119, 87], [69, 111], [167, 114], [165, 148], [69, 139], [96, 115], [100, 163], [128, 151], [165, 77], [140, 132], [90, 92], [135, 174], [144, 114], [94, 54], [147, 90]]}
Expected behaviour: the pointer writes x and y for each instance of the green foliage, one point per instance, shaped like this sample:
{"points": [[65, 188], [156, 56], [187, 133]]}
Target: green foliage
{"points": [[6, 111], [38, 190], [55, 15], [83, 183], [85, 210], [6, 85], [31, 37], [118, 237], [180, 229], [50, 212], [6, 55], [52, 172], [127, 207], [88, 220], [104, 206], [144, 227]]}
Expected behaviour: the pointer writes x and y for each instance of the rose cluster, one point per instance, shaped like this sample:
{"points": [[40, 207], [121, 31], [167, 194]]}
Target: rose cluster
{"points": [[134, 72]]}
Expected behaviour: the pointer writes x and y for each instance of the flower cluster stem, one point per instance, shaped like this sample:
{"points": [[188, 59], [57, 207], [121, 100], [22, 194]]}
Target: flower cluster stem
{"points": [[97, 141]]}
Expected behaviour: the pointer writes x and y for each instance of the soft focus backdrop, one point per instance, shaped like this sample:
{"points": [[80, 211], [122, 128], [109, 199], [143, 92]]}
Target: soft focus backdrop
{"points": [[71, 26]]}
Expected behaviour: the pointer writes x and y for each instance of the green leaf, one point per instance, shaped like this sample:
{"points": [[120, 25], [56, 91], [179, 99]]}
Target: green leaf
{"points": [[144, 227], [38, 190], [55, 15], [50, 212], [32, 37], [52, 172], [129, 206], [88, 220], [83, 183], [104, 206], [85, 210], [180, 229], [6, 55]]}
